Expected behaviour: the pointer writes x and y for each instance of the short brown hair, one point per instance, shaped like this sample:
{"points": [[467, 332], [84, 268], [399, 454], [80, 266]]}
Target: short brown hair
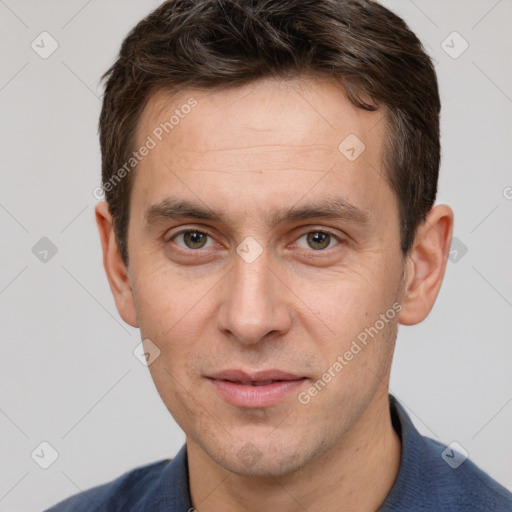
{"points": [[215, 43]]}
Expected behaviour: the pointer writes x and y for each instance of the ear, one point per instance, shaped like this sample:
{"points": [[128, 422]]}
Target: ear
{"points": [[117, 272], [426, 265]]}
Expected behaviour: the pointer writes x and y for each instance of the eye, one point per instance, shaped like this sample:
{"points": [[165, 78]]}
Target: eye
{"points": [[192, 239], [319, 240]]}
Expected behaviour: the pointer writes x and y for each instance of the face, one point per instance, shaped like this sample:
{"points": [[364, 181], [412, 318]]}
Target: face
{"points": [[263, 241]]}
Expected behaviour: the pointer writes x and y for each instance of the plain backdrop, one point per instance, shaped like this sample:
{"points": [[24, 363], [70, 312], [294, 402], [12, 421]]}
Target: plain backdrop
{"points": [[68, 374]]}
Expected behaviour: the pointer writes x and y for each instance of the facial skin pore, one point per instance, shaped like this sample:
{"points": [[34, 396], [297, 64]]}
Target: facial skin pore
{"points": [[247, 155]]}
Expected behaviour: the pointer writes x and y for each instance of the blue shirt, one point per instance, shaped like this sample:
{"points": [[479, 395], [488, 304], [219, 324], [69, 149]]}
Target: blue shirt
{"points": [[426, 482]]}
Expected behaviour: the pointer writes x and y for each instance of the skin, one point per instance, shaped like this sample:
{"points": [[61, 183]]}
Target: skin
{"points": [[245, 153]]}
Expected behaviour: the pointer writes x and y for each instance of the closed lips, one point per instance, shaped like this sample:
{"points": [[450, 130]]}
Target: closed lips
{"points": [[262, 378], [254, 383]]}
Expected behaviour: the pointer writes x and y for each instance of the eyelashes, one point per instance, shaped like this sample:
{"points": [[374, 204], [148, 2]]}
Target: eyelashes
{"points": [[194, 240]]}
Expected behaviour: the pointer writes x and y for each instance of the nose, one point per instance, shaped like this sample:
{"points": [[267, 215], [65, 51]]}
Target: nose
{"points": [[254, 302]]}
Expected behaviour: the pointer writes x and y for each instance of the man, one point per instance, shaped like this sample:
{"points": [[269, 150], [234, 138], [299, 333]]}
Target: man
{"points": [[270, 171]]}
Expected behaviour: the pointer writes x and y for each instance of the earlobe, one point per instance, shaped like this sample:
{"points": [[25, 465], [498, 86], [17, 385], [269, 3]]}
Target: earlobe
{"points": [[426, 265], [115, 268]]}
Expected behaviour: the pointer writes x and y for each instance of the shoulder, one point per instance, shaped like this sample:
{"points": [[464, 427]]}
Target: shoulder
{"points": [[433, 476], [134, 488], [464, 486]]}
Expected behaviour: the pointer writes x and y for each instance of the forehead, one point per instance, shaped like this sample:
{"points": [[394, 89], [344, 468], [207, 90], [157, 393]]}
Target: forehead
{"points": [[310, 114], [291, 136]]}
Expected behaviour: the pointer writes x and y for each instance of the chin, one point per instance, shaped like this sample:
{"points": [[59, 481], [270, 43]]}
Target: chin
{"points": [[263, 459]]}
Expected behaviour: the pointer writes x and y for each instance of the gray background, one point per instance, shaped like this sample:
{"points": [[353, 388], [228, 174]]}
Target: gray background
{"points": [[68, 374]]}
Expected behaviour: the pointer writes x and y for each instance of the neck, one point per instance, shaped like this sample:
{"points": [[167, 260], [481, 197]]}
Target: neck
{"points": [[356, 474]]}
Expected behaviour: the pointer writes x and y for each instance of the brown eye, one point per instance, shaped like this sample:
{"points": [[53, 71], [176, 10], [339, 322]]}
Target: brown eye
{"points": [[318, 240], [192, 239]]}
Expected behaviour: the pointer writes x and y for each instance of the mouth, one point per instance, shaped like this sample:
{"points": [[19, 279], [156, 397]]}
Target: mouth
{"points": [[255, 390], [253, 382]]}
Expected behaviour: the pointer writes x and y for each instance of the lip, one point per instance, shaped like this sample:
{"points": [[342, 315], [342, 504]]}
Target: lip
{"points": [[235, 386], [241, 376]]}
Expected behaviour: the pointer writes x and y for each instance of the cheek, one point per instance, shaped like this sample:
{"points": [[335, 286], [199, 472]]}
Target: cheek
{"points": [[165, 303], [175, 390], [357, 330], [174, 319], [346, 302]]}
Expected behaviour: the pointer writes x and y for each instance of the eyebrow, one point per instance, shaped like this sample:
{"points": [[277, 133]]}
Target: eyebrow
{"points": [[331, 208]]}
